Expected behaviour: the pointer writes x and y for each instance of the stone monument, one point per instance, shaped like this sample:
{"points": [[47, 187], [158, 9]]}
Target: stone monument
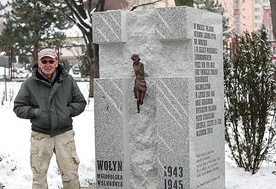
{"points": [[177, 139]]}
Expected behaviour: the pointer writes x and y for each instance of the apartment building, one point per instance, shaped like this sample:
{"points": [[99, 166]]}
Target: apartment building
{"points": [[267, 21], [247, 15]]}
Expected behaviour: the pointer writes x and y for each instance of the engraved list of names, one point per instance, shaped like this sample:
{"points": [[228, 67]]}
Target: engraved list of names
{"points": [[205, 73]]}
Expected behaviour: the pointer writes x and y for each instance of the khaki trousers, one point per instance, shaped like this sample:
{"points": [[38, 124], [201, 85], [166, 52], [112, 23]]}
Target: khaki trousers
{"points": [[42, 148]]}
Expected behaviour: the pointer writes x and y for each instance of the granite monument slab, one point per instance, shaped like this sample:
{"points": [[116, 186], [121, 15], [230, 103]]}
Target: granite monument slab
{"points": [[177, 139]]}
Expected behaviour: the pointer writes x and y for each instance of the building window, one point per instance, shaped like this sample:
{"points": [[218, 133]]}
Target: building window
{"points": [[236, 4], [270, 26], [257, 9], [269, 15], [258, 25], [257, 17]]}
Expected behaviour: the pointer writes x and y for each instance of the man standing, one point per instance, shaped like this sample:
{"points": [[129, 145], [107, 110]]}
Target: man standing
{"points": [[50, 98]]}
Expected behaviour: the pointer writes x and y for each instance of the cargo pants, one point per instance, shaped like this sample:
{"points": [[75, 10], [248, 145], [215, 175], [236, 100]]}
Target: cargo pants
{"points": [[42, 148]]}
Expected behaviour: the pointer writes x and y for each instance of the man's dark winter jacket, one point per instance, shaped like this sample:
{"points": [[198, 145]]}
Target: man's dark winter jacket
{"points": [[49, 105]]}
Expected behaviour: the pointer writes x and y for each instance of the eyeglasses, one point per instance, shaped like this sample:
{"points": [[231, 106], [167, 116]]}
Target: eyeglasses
{"points": [[46, 61]]}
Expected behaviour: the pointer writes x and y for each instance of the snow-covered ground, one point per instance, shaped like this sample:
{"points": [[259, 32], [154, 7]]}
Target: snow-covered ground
{"points": [[15, 172]]}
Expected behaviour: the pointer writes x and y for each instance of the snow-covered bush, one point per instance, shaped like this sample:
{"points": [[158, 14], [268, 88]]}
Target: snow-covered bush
{"points": [[250, 100]]}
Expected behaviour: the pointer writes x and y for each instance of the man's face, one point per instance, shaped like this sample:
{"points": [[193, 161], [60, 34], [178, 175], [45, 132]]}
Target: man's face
{"points": [[48, 66]]}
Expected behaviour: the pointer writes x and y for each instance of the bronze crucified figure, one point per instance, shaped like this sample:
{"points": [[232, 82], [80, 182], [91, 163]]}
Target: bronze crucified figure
{"points": [[140, 86]]}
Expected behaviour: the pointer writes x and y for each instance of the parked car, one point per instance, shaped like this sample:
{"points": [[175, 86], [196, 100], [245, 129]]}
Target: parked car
{"points": [[22, 73], [274, 58], [76, 69]]}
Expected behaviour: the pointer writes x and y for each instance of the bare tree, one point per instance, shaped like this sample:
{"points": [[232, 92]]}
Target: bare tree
{"points": [[80, 14]]}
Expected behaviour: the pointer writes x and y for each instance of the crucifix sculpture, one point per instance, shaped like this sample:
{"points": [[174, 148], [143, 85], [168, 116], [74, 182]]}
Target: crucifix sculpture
{"points": [[140, 86]]}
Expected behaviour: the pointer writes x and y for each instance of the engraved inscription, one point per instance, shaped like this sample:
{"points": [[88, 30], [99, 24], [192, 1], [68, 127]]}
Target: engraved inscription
{"points": [[207, 163], [205, 73], [173, 177], [109, 173]]}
